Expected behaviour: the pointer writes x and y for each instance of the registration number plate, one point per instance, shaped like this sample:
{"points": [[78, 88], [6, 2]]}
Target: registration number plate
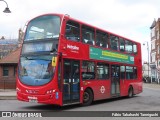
{"points": [[32, 99]]}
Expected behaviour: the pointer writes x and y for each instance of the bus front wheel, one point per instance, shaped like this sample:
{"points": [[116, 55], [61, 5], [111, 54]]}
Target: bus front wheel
{"points": [[87, 97]]}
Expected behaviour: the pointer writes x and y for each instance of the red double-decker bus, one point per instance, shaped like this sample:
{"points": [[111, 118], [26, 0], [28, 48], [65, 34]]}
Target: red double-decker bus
{"points": [[65, 61]]}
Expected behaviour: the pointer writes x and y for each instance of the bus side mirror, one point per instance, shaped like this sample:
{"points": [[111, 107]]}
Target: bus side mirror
{"points": [[53, 50]]}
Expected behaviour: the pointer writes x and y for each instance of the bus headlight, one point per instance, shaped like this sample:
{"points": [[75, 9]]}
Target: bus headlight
{"points": [[18, 90], [50, 91]]}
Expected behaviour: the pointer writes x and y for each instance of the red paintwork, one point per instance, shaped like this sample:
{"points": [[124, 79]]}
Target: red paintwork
{"points": [[95, 85], [40, 92]]}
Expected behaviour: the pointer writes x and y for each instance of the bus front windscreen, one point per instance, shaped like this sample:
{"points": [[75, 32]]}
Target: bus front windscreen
{"points": [[43, 27], [36, 70]]}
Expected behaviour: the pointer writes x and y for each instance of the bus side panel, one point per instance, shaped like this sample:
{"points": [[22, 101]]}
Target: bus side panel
{"points": [[74, 50], [122, 88], [136, 84], [101, 88]]}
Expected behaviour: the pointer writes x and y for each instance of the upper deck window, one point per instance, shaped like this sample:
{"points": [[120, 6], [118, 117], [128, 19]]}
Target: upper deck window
{"points": [[72, 31], [122, 44], [128, 46], [134, 48], [114, 42], [43, 27], [101, 39], [88, 35]]}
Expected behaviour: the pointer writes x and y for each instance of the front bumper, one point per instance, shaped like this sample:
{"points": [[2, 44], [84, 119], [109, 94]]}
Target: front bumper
{"points": [[47, 99]]}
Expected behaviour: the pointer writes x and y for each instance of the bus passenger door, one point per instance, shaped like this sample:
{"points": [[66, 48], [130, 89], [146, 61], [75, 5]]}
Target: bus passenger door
{"points": [[115, 80], [71, 81]]}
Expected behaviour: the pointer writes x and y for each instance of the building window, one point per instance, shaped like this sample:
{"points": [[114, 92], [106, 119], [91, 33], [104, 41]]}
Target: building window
{"points": [[153, 57], [153, 44], [153, 32], [5, 71], [102, 71], [88, 70], [157, 34], [72, 31]]}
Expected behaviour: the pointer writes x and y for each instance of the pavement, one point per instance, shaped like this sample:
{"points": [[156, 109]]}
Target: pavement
{"points": [[151, 86], [7, 94], [10, 94]]}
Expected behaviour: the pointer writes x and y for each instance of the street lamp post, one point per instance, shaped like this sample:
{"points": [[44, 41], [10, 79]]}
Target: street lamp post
{"points": [[148, 54], [6, 10]]}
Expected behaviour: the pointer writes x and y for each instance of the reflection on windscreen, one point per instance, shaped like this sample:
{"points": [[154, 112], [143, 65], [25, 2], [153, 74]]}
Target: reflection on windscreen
{"points": [[43, 27], [36, 70]]}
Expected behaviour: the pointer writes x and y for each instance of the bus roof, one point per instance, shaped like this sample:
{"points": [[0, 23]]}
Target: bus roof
{"points": [[62, 16], [103, 30]]}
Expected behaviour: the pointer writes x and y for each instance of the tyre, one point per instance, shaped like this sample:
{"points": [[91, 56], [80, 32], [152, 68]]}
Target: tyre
{"points": [[130, 92], [87, 97]]}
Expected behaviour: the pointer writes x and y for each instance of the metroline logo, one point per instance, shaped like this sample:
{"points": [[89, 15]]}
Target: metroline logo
{"points": [[72, 47]]}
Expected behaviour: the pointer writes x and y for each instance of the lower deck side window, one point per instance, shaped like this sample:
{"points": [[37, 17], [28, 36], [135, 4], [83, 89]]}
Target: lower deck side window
{"points": [[102, 71], [88, 70]]}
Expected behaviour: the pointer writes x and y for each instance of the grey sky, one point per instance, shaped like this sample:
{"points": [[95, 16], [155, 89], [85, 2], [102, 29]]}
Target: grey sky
{"points": [[128, 18]]}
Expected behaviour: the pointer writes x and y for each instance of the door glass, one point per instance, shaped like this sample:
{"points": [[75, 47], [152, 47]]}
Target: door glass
{"points": [[75, 80], [67, 79], [115, 81], [113, 91], [71, 81]]}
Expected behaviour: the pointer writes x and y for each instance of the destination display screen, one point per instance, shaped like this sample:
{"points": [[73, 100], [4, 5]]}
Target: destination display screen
{"points": [[37, 47]]}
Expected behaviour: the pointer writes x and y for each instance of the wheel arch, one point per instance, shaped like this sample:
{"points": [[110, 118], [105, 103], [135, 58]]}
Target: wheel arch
{"points": [[91, 90], [130, 91], [131, 87]]}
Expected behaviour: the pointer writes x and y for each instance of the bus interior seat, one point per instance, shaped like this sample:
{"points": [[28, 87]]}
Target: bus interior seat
{"points": [[98, 43], [90, 42], [104, 45], [114, 47], [75, 87], [122, 50]]}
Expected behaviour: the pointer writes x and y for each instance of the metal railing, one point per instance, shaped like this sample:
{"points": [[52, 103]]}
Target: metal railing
{"points": [[154, 76]]}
